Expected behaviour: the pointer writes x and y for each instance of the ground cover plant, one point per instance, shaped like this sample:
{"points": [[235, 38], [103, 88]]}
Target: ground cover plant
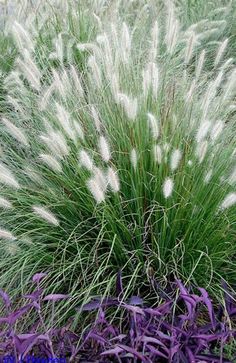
{"points": [[174, 330], [117, 149]]}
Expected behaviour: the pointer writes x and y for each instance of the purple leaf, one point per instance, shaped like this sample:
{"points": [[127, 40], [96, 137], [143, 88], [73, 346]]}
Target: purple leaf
{"points": [[5, 298], [112, 351], [208, 303], [39, 276], [55, 297], [135, 300]]}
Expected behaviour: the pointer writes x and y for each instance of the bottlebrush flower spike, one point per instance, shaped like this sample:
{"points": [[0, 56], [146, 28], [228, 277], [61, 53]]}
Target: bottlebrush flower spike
{"points": [[153, 123], [85, 160], [104, 149], [157, 151], [15, 132], [51, 162], [4, 203], [113, 179], [4, 234], [175, 159], [134, 158], [221, 51], [45, 215], [7, 178], [96, 190], [229, 201], [168, 187]]}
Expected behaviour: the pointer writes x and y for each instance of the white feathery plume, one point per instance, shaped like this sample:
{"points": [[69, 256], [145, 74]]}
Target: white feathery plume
{"points": [[104, 149], [190, 163], [76, 80], [7, 178], [45, 215], [64, 119], [100, 177], [217, 130], [22, 37], [229, 201], [113, 179], [232, 177], [153, 123], [203, 130], [154, 42], [157, 151], [15, 104], [208, 176], [96, 118], [172, 28], [150, 79], [30, 70], [78, 129], [126, 43], [168, 187], [96, 73], [189, 47], [56, 143], [58, 43], [15, 132], [134, 158], [220, 52], [107, 53], [46, 97], [230, 85], [175, 159], [114, 84], [227, 63], [85, 160], [201, 150], [4, 203], [200, 64], [58, 83], [130, 105], [51, 162], [96, 190], [4, 234], [190, 93]]}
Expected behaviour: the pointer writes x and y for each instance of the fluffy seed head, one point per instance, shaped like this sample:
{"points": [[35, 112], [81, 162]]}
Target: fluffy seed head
{"points": [[220, 52], [203, 130], [96, 118], [113, 179], [229, 201], [157, 151], [130, 105], [208, 176], [175, 159], [4, 203], [153, 126], [217, 130], [64, 120], [45, 215], [4, 234], [51, 162], [104, 149], [134, 158], [96, 73], [96, 190], [168, 187], [15, 132], [201, 150], [85, 160], [7, 178], [200, 63]]}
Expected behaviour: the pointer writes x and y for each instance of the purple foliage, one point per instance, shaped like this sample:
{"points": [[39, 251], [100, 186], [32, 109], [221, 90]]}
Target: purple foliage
{"points": [[183, 328]]}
